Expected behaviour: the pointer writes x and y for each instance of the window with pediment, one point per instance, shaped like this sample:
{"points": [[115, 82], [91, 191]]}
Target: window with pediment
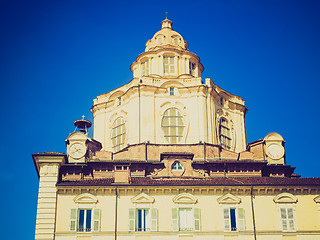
{"points": [[85, 218], [185, 216], [143, 217], [286, 203], [233, 214]]}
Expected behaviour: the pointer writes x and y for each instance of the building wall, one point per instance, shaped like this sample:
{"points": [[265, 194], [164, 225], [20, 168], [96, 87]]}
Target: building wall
{"points": [[267, 215]]}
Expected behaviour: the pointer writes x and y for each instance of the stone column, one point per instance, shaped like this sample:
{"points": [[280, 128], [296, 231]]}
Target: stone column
{"points": [[48, 170]]}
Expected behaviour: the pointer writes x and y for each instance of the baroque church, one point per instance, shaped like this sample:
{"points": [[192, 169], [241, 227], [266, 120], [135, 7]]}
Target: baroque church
{"points": [[169, 159]]}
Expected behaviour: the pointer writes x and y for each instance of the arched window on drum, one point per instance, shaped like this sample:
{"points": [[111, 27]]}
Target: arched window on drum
{"points": [[224, 134], [172, 125], [118, 134]]}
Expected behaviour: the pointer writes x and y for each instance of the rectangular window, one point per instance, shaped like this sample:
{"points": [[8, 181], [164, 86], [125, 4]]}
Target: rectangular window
{"points": [[82, 220], [142, 219], [186, 219], [192, 68], [233, 219], [287, 219], [168, 65], [145, 68], [171, 91]]}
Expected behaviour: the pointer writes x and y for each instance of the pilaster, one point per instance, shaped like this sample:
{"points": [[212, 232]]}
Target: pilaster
{"points": [[47, 165]]}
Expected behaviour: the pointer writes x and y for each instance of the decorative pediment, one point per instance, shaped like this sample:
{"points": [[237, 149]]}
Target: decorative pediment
{"points": [[317, 199], [142, 198], [229, 199], [85, 198], [285, 198], [184, 198]]}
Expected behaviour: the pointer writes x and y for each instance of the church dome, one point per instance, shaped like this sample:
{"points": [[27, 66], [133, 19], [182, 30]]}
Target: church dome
{"points": [[166, 38], [167, 56]]}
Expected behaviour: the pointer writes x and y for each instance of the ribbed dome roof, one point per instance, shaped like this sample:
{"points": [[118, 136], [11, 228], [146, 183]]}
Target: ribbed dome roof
{"points": [[166, 38]]}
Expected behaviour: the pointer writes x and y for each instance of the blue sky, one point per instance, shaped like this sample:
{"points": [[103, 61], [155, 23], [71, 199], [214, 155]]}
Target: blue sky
{"points": [[56, 56]]}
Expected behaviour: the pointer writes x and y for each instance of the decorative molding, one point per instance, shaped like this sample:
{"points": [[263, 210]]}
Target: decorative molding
{"points": [[142, 198], [217, 190], [229, 199], [85, 198], [317, 199], [115, 95], [285, 198], [185, 198]]}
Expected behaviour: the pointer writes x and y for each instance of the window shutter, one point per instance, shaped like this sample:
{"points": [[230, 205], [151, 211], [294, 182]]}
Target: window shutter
{"points": [[283, 214], [290, 219], [196, 214], [96, 220], [241, 221], [226, 219], [175, 219], [73, 220], [131, 219], [154, 217]]}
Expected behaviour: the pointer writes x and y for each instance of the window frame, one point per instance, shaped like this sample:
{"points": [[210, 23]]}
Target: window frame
{"points": [[150, 221], [177, 166], [176, 218], [119, 138], [145, 68], [225, 133], [287, 219], [173, 127], [74, 225], [192, 68], [239, 218], [171, 91], [170, 63]]}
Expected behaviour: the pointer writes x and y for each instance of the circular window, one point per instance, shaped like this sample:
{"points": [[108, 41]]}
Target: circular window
{"points": [[118, 134], [177, 166], [160, 40], [172, 125], [176, 41]]}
